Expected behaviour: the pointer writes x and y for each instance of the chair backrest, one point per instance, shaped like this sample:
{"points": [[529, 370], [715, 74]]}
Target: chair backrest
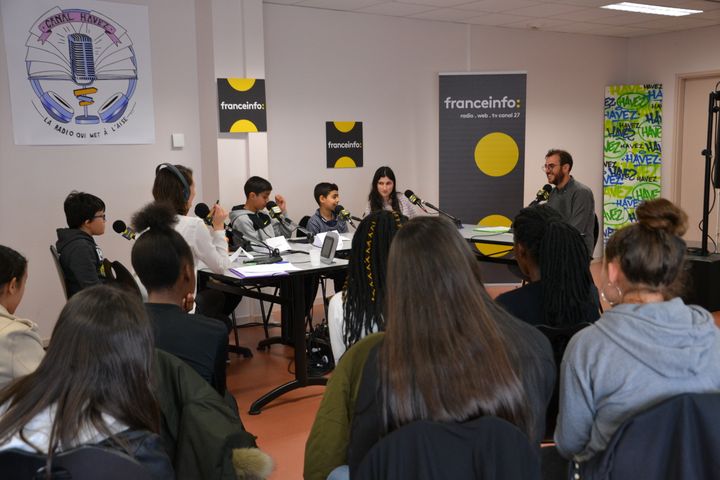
{"points": [[484, 448], [559, 338], [58, 267], [596, 232], [123, 277], [86, 462], [303, 224], [676, 438]]}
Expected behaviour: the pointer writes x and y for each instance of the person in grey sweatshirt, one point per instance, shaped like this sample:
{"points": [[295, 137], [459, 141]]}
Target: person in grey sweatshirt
{"points": [[649, 347], [250, 223]]}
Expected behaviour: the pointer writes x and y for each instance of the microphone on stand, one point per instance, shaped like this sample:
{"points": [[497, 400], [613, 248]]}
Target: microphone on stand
{"points": [[277, 214], [542, 195], [273, 253], [417, 201], [343, 214], [127, 232]]}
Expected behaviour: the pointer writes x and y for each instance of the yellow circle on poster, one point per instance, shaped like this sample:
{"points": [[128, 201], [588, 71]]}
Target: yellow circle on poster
{"points": [[496, 154], [241, 84], [345, 162], [243, 126], [344, 127], [494, 220]]}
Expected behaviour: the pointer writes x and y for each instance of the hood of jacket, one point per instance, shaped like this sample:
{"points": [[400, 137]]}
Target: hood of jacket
{"points": [[671, 338], [68, 235], [237, 212]]}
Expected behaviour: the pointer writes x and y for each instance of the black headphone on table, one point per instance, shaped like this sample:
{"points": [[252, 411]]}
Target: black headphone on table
{"points": [[172, 168]]}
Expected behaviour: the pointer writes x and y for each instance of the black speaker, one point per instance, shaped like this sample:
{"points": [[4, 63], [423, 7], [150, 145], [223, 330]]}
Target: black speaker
{"points": [[703, 281]]}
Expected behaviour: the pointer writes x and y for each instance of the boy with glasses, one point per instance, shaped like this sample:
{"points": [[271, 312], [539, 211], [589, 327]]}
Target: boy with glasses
{"points": [[80, 257]]}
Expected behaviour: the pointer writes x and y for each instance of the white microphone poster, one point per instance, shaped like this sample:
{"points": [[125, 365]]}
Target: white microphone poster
{"points": [[482, 154], [79, 72]]}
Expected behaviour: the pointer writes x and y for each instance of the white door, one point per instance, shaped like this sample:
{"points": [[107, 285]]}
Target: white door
{"points": [[691, 164]]}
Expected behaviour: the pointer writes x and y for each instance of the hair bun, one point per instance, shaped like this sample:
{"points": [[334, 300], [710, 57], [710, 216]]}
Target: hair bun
{"points": [[155, 216], [662, 214]]}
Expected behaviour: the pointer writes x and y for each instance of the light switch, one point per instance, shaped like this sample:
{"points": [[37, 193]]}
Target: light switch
{"points": [[178, 140]]}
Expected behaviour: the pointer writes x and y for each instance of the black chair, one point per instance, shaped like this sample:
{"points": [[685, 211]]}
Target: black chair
{"points": [[596, 232], [86, 462], [122, 276], [484, 448], [58, 267], [677, 438], [559, 338]]}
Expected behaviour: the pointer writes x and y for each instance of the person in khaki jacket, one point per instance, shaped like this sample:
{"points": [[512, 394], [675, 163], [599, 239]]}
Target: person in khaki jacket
{"points": [[20, 345]]}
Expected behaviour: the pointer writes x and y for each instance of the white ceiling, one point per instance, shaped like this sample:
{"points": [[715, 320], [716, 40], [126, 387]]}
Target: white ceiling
{"points": [[572, 16]]}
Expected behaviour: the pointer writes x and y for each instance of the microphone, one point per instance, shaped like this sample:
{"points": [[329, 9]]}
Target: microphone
{"points": [[273, 253], [277, 214], [82, 62], [127, 232], [542, 195], [415, 200], [343, 214], [203, 211]]}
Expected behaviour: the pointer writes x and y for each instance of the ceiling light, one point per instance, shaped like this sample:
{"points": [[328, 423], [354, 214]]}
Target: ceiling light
{"points": [[652, 9]]}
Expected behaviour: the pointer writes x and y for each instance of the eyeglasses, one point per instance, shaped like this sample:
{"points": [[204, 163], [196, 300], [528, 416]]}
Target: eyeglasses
{"points": [[100, 216], [549, 166]]}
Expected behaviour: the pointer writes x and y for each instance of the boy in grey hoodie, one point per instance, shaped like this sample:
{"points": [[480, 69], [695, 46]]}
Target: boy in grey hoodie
{"points": [[250, 222]]}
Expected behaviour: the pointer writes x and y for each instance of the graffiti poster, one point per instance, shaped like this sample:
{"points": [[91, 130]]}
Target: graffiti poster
{"points": [[632, 158], [79, 72], [482, 153]]}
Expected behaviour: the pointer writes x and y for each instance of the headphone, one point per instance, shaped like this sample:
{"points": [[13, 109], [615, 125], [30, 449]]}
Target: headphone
{"points": [[172, 168]]}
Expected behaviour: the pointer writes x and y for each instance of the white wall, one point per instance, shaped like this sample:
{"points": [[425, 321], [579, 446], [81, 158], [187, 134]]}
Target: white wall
{"points": [[662, 59], [325, 65], [35, 180]]}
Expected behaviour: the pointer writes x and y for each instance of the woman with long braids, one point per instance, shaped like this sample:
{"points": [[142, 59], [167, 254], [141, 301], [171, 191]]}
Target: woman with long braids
{"points": [[449, 354], [356, 311], [649, 347], [552, 254]]}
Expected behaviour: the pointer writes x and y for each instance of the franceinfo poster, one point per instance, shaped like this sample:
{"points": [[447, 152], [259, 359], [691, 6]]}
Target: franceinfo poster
{"points": [[482, 149]]}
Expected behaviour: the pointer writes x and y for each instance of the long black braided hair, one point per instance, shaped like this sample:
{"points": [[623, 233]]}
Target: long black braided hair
{"points": [[560, 252], [364, 291]]}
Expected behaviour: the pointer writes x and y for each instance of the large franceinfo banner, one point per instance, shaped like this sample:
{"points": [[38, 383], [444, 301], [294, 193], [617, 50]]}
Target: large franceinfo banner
{"points": [[79, 72], [482, 152], [632, 157]]}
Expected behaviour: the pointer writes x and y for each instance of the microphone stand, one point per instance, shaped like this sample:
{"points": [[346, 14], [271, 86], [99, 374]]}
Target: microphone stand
{"points": [[455, 220], [273, 254], [713, 119]]}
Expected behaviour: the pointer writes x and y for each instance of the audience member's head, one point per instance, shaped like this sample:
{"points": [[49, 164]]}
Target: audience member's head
{"points": [[174, 185], [364, 292], [99, 362], [85, 209], [443, 357], [13, 276], [648, 256], [551, 250], [161, 257], [383, 190]]}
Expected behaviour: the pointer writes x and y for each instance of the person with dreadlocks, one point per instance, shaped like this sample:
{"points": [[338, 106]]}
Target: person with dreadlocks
{"points": [[552, 254], [357, 310]]}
